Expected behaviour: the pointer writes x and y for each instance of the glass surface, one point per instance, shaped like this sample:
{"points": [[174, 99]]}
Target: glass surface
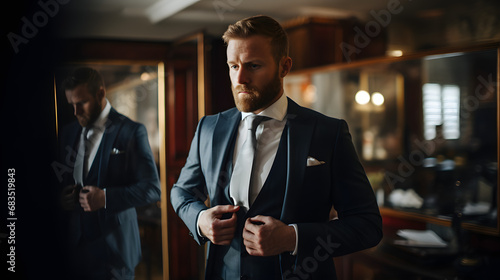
{"points": [[131, 89]]}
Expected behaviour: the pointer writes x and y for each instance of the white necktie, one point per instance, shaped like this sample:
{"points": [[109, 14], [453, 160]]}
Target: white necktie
{"points": [[241, 178]]}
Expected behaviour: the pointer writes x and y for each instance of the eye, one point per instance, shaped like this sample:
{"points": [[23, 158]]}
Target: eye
{"points": [[255, 66], [233, 67]]}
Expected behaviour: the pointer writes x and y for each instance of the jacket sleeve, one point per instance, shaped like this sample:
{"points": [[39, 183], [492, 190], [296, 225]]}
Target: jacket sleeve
{"points": [[189, 192], [138, 175], [359, 224]]}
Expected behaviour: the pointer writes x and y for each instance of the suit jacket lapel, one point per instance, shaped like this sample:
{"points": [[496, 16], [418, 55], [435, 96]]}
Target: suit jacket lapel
{"points": [[68, 149], [300, 128], [222, 140], [104, 151], [70, 139]]}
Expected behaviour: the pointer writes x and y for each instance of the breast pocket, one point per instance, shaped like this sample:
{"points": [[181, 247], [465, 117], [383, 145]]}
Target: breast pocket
{"points": [[317, 179], [117, 168], [317, 176]]}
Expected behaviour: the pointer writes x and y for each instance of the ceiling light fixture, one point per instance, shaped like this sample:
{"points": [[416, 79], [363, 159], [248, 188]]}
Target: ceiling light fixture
{"points": [[166, 8], [377, 99], [362, 97], [395, 53]]}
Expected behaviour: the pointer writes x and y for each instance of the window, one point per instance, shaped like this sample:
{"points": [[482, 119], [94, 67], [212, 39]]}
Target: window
{"points": [[441, 107]]}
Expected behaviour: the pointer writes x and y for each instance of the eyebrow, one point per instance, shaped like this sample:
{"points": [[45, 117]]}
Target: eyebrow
{"points": [[251, 61], [78, 102]]}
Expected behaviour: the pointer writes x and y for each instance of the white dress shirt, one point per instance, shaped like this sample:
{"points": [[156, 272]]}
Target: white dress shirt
{"points": [[268, 135], [95, 135]]}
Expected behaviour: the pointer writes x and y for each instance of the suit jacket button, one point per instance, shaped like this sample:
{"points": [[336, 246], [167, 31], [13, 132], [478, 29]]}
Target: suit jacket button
{"points": [[244, 277]]}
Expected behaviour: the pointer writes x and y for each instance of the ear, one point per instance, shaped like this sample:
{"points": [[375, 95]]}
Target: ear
{"points": [[101, 93], [285, 66]]}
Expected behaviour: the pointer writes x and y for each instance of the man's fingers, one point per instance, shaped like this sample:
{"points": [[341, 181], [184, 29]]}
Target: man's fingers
{"points": [[231, 222], [212, 225], [225, 225], [82, 195], [83, 200], [253, 224], [221, 238], [259, 220], [222, 209], [224, 242], [222, 227], [250, 232], [221, 235]]}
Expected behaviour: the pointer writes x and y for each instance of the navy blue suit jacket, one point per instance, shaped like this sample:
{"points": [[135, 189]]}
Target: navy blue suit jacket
{"points": [[310, 193], [130, 177]]}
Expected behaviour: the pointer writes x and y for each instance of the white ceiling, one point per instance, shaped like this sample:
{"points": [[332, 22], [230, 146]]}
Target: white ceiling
{"points": [[131, 19]]}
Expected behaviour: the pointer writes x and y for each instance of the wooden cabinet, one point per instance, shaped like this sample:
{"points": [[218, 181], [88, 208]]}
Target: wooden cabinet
{"points": [[318, 41]]}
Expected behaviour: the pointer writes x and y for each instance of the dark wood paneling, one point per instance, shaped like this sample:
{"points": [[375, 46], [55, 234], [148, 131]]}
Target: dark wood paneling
{"points": [[97, 49], [182, 113], [184, 252], [220, 84], [318, 41]]}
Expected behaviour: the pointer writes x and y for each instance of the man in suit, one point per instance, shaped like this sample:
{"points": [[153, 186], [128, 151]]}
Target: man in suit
{"points": [[112, 172], [277, 226]]}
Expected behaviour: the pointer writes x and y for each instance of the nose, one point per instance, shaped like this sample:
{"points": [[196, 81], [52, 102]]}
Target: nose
{"points": [[242, 76], [77, 110]]}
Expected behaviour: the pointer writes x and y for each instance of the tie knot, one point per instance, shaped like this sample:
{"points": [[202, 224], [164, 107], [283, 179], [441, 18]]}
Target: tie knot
{"points": [[252, 121], [88, 131]]}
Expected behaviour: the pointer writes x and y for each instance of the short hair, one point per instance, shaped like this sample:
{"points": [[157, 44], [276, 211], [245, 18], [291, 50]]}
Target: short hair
{"points": [[260, 25], [84, 75]]}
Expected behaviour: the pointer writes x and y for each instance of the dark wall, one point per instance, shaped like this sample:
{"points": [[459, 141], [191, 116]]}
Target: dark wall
{"points": [[29, 144]]}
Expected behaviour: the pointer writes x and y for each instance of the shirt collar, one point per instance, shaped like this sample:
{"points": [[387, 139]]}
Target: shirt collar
{"points": [[276, 111]]}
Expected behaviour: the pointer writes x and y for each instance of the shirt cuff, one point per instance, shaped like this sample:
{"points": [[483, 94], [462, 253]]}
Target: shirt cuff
{"points": [[104, 198], [198, 225], [294, 253]]}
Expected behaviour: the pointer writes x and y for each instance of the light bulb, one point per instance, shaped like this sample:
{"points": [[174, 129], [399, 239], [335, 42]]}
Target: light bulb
{"points": [[362, 97], [377, 99]]}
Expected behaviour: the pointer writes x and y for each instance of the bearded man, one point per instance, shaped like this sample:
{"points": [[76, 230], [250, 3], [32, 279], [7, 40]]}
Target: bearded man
{"points": [[110, 170], [273, 171]]}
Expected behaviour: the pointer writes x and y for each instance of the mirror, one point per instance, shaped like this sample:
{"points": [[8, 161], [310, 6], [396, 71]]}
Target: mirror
{"points": [[133, 89], [425, 127]]}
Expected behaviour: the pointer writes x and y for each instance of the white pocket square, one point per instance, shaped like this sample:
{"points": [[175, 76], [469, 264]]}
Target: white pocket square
{"points": [[313, 162], [115, 151]]}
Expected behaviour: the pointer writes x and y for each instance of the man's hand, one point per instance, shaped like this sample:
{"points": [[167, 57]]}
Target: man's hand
{"points": [[69, 198], [92, 198], [219, 231], [266, 236]]}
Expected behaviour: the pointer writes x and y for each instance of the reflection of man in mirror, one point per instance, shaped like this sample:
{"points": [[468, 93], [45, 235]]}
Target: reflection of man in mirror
{"points": [[114, 172]]}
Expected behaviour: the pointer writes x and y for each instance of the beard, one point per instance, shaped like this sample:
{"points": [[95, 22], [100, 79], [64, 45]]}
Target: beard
{"points": [[89, 119], [255, 98]]}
